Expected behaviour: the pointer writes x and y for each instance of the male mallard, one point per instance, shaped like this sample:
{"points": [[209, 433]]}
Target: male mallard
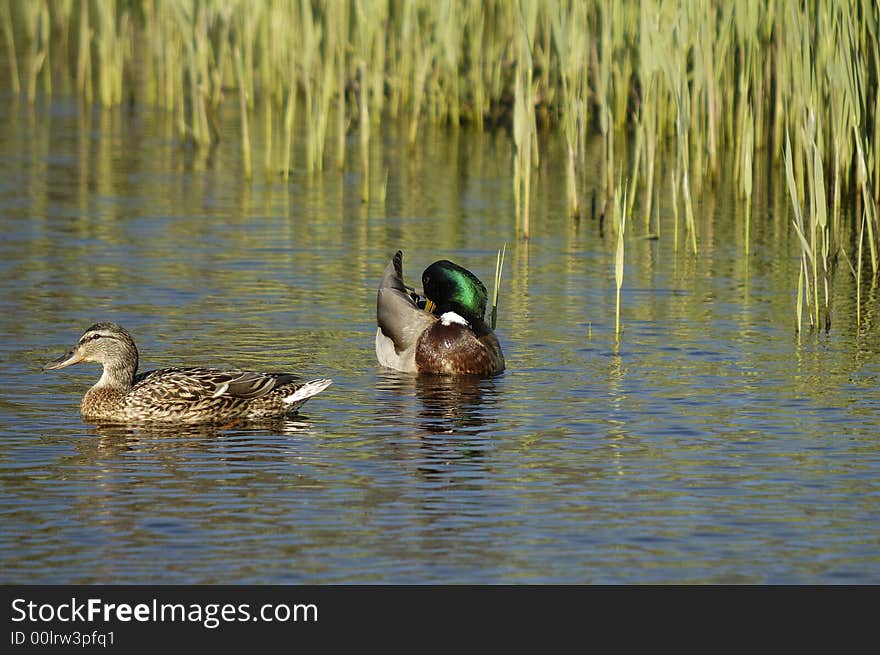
{"points": [[187, 395], [448, 336]]}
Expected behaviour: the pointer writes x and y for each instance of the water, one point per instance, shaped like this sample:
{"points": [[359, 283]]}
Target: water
{"points": [[713, 445]]}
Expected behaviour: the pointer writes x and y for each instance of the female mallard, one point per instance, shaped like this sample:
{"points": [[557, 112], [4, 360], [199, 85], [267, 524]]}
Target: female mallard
{"points": [[187, 395], [448, 336]]}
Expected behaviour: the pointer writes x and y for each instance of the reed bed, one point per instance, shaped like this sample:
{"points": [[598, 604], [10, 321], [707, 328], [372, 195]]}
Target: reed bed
{"points": [[680, 82]]}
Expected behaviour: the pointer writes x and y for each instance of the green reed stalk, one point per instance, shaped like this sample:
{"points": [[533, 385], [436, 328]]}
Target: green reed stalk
{"points": [[569, 38], [620, 223], [340, 22], [819, 233], [9, 35], [243, 107], [289, 116], [478, 80], [524, 127], [108, 41], [748, 140], [84, 56], [309, 54], [36, 54], [674, 68], [601, 63], [869, 209], [673, 184], [420, 73], [807, 255], [364, 134], [266, 77], [372, 21], [650, 52], [499, 265], [321, 118], [858, 273]]}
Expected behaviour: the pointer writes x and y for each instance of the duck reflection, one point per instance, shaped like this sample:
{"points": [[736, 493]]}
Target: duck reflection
{"points": [[453, 416], [200, 474], [454, 404], [250, 440], [446, 404]]}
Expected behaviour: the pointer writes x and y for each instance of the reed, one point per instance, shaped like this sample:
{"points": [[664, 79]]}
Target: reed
{"points": [[111, 38], [243, 107], [9, 36], [84, 56], [620, 205], [340, 23], [570, 41], [499, 265], [289, 116], [746, 177], [364, 118], [36, 55], [692, 82], [651, 51], [804, 291]]}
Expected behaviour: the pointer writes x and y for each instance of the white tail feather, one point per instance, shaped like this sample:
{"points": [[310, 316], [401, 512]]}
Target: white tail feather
{"points": [[306, 391]]}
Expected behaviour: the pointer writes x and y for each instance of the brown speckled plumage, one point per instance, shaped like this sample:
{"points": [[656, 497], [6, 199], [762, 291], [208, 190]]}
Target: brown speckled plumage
{"points": [[185, 395], [452, 340]]}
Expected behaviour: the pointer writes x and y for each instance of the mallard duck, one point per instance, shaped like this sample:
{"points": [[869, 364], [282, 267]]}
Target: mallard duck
{"points": [[186, 395], [445, 335]]}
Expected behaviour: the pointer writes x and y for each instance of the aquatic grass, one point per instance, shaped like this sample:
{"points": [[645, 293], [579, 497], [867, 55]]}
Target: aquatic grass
{"points": [[570, 41], [647, 116], [111, 37], [804, 291], [340, 21], [689, 83], [601, 56], [620, 205], [9, 37], [364, 118], [747, 149], [868, 225], [243, 108], [418, 76], [38, 35], [84, 56], [524, 127], [289, 116], [499, 265], [681, 185]]}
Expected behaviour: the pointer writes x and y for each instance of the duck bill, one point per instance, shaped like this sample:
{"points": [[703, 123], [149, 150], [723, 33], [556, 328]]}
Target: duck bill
{"points": [[69, 359], [430, 306]]}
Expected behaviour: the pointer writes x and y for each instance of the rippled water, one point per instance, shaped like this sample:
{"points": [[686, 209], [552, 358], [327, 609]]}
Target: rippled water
{"points": [[712, 445]]}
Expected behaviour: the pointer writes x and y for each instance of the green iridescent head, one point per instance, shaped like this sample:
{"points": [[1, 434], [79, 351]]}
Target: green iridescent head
{"points": [[453, 288]]}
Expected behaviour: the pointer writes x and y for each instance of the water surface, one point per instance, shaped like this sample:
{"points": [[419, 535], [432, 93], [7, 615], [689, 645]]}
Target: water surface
{"points": [[711, 445]]}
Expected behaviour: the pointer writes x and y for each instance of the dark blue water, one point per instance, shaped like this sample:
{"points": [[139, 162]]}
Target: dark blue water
{"points": [[710, 444]]}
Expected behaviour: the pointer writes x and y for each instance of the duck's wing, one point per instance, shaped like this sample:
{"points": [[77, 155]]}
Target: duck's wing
{"points": [[397, 313], [254, 385], [172, 384]]}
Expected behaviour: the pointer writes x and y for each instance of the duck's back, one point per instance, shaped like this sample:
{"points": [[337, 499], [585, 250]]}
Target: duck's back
{"points": [[192, 395]]}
